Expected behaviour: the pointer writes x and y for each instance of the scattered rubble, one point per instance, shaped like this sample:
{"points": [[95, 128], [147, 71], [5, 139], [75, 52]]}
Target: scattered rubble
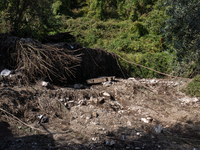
{"points": [[125, 115], [187, 99]]}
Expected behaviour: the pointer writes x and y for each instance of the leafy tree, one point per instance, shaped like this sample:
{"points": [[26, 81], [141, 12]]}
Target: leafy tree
{"points": [[132, 9], [181, 32], [97, 9], [30, 18]]}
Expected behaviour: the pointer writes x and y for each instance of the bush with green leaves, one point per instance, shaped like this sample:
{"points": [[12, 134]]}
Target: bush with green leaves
{"points": [[181, 33], [193, 88], [158, 61], [30, 18], [132, 9]]}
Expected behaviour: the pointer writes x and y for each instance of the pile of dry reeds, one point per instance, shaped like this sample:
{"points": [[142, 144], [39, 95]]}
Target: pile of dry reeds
{"points": [[34, 59]]}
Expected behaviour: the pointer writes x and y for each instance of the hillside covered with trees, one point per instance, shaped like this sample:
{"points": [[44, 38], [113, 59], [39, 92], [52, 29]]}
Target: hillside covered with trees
{"points": [[160, 34]]}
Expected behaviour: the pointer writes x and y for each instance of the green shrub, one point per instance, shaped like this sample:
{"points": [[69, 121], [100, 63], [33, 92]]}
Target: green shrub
{"points": [[193, 88], [157, 61], [181, 32]]}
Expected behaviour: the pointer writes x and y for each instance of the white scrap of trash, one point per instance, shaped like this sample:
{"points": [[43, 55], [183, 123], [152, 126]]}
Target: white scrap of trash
{"points": [[110, 143], [144, 120], [71, 46], [189, 100], [45, 84], [6, 72], [108, 83], [157, 129]]}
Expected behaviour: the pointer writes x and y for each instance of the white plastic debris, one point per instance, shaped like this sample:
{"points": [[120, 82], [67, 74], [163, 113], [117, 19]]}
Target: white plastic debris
{"points": [[157, 129], [131, 79], [187, 99], [61, 100], [82, 102], [108, 83], [138, 133], [94, 139], [106, 94], [40, 116], [71, 46], [6, 72], [45, 84], [144, 120]]}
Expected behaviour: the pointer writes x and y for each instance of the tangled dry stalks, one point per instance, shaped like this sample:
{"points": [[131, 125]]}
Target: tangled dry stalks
{"points": [[34, 59]]}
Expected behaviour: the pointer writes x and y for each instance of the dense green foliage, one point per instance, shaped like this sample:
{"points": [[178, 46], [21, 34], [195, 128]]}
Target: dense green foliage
{"points": [[160, 34], [29, 18], [193, 88], [182, 34]]}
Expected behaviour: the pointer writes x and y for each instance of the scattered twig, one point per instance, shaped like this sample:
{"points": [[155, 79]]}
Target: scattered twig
{"points": [[146, 67], [20, 120]]}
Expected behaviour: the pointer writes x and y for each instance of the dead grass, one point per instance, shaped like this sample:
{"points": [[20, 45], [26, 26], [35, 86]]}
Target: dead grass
{"points": [[34, 59]]}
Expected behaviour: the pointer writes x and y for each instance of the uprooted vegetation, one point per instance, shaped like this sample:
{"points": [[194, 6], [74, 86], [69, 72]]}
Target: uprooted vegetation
{"points": [[59, 63]]}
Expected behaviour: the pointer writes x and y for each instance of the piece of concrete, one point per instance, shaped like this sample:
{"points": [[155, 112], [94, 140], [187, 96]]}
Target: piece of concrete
{"points": [[100, 80]]}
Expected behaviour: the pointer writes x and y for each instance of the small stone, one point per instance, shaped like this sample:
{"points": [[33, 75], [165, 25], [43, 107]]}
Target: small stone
{"points": [[87, 118], [112, 143], [82, 102], [94, 100], [78, 86], [150, 119], [137, 147], [94, 114], [107, 142], [101, 100], [128, 123], [106, 94], [107, 84]]}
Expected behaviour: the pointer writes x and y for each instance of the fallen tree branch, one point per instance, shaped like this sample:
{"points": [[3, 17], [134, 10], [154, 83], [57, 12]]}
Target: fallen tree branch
{"points": [[20, 120], [147, 67]]}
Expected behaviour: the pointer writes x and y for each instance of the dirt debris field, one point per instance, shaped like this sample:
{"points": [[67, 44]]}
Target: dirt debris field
{"points": [[119, 114]]}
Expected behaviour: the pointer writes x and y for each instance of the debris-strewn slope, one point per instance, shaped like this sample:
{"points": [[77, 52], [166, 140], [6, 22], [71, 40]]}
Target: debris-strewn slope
{"points": [[120, 114]]}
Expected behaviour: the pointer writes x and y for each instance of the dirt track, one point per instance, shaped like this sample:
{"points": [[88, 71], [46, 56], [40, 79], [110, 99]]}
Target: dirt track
{"points": [[124, 114]]}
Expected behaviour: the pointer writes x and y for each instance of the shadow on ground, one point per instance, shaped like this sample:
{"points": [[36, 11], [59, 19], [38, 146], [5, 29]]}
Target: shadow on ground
{"points": [[178, 137]]}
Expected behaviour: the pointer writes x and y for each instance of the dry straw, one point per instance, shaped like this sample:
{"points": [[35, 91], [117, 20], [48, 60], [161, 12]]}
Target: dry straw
{"points": [[34, 59]]}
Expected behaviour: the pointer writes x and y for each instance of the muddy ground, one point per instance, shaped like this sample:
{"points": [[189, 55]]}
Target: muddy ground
{"points": [[122, 114]]}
